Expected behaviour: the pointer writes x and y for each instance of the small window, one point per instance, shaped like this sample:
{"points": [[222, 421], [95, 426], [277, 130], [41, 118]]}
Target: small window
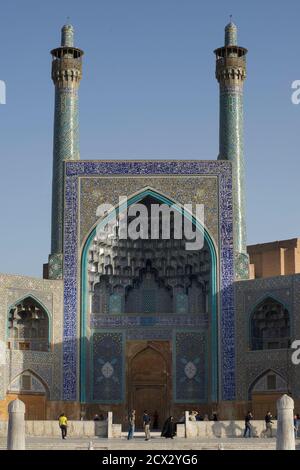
{"points": [[24, 346], [26, 382], [271, 382]]}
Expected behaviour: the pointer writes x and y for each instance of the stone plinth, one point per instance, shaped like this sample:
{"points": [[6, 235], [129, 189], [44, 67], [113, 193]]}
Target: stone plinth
{"points": [[16, 425], [285, 431]]}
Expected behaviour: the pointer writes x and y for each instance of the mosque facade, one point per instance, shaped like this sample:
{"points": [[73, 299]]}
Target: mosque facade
{"points": [[120, 323]]}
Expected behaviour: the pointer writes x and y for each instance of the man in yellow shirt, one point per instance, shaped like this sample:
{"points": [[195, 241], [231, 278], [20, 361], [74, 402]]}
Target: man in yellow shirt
{"points": [[63, 423]]}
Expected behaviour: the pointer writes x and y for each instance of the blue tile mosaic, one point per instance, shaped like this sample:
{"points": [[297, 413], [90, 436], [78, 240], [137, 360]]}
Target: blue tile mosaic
{"points": [[75, 170], [190, 367]]}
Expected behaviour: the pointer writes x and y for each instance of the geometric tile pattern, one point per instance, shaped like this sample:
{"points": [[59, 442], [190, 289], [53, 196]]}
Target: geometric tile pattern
{"points": [[76, 170], [191, 364], [231, 145], [65, 146], [231, 74], [253, 364], [108, 368], [195, 189], [55, 266], [46, 365]]}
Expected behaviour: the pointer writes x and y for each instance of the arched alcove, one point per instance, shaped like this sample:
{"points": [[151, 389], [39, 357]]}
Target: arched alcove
{"points": [[28, 325], [29, 387], [149, 278], [264, 392], [269, 325]]}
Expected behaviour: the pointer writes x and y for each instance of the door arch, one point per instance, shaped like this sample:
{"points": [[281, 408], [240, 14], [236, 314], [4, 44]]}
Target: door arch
{"points": [[148, 383], [264, 392], [30, 388]]}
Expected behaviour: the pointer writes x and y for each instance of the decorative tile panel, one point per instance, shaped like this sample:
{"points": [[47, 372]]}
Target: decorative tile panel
{"points": [[108, 370], [76, 171], [65, 147], [190, 367], [250, 365], [47, 365]]}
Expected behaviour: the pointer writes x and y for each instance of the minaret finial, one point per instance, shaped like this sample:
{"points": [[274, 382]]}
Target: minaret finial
{"points": [[67, 35], [231, 33]]}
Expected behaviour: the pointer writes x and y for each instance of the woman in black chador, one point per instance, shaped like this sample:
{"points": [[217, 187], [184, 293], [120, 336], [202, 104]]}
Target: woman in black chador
{"points": [[169, 428]]}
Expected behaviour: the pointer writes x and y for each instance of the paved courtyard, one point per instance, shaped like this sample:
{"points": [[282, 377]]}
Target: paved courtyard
{"points": [[156, 443]]}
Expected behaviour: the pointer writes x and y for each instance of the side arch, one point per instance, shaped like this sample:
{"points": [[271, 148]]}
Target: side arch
{"points": [[37, 302], [32, 389], [263, 301], [33, 374], [263, 393], [263, 375]]}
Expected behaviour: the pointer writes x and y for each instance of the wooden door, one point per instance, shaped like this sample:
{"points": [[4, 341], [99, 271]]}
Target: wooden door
{"points": [[35, 406], [151, 398], [148, 381], [264, 402]]}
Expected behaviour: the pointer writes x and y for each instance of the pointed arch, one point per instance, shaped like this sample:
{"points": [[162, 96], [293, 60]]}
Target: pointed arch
{"points": [[140, 369], [144, 348], [110, 215], [263, 375], [37, 303], [36, 376], [137, 197], [32, 296], [269, 324]]}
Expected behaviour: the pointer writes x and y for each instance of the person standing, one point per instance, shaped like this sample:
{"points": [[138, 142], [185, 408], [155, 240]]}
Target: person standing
{"points": [[193, 415], [131, 424], [248, 425], [169, 428], [63, 423], [269, 422], [146, 425]]}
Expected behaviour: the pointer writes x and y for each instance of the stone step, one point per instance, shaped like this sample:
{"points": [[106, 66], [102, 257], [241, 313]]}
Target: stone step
{"points": [[154, 444]]}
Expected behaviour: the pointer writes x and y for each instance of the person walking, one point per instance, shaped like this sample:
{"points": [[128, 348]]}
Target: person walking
{"points": [[131, 424], [269, 422], [248, 425], [63, 423], [146, 425]]}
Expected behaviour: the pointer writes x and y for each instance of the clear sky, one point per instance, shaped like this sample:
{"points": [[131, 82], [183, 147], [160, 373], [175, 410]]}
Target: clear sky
{"points": [[148, 91]]}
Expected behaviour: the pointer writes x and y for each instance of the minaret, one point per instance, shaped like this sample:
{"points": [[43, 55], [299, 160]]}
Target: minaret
{"points": [[66, 76], [231, 73]]}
